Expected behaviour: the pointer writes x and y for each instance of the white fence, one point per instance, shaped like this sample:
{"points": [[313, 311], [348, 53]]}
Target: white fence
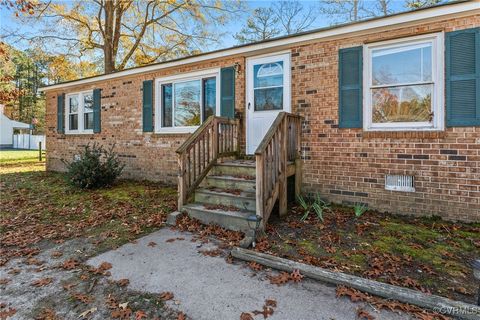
{"points": [[28, 141]]}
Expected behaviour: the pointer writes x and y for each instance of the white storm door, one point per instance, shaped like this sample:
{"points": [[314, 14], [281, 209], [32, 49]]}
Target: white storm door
{"points": [[268, 93]]}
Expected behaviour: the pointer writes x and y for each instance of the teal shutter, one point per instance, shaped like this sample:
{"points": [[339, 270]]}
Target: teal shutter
{"points": [[97, 109], [61, 113], [147, 106], [350, 87], [227, 92], [462, 63]]}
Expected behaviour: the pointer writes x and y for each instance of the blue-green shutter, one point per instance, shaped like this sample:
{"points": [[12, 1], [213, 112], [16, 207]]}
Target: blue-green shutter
{"points": [[462, 62], [147, 106], [227, 92], [61, 113], [350, 87], [97, 109]]}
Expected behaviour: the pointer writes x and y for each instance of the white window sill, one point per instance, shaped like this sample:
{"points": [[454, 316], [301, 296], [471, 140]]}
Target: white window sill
{"points": [[79, 132], [176, 130], [383, 129]]}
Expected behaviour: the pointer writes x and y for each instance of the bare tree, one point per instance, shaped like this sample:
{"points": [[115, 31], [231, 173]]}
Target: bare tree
{"points": [[417, 4], [341, 11], [293, 16], [260, 26], [283, 18], [128, 32]]}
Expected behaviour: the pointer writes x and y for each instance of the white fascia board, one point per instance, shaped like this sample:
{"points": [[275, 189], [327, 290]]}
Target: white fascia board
{"points": [[459, 9]]}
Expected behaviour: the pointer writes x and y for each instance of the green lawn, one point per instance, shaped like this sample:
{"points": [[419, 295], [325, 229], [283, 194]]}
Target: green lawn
{"points": [[9, 156]]}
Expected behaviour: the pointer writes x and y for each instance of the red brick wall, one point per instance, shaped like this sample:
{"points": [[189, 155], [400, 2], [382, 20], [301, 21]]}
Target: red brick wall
{"points": [[344, 165], [149, 156], [349, 165]]}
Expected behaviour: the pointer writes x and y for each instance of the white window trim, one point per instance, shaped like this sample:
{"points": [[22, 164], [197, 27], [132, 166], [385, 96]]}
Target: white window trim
{"points": [[438, 68], [198, 75], [81, 113]]}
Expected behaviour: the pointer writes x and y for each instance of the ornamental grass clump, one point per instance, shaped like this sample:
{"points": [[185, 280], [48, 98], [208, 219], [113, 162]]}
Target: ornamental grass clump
{"points": [[96, 167]]}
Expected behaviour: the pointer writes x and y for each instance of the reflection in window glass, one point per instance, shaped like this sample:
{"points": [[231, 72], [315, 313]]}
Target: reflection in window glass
{"points": [[402, 104], [73, 104], [408, 64], [88, 111], [73, 113], [187, 103], [268, 86], [167, 105], [209, 97]]}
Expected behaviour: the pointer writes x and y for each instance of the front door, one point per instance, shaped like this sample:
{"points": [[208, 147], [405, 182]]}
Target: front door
{"points": [[268, 93]]}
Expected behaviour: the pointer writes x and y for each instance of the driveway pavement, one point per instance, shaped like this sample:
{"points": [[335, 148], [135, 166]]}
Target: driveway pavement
{"points": [[209, 288]]}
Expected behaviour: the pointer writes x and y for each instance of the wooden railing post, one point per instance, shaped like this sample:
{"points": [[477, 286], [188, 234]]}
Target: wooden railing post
{"points": [[298, 158], [282, 192], [181, 181], [259, 186]]}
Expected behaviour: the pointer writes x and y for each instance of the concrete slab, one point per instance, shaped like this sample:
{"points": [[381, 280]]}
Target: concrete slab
{"points": [[209, 288]]}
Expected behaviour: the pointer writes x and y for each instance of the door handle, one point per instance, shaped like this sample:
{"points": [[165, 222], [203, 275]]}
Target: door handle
{"points": [[249, 106]]}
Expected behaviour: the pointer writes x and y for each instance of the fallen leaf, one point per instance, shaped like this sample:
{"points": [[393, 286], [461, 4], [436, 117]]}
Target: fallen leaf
{"points": [[87, 312], [5, 280], [105, 266], [246, 316], [123, 282], [362, 314], [166, 296], [140, 315], [271, 303], [83, 298], [181, 316], [282, 278], [295, 276], [70, 264], [42, 282], [123, 305], [56, 254], [152, 244], [255, 266]]}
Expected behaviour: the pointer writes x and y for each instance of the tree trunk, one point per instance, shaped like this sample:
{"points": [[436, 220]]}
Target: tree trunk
{"points": [[109, 58]]}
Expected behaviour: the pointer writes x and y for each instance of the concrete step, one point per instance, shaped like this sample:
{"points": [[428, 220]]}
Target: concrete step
{"points": [[234, 169], [237, 198], [229, 182], [232, 220]]}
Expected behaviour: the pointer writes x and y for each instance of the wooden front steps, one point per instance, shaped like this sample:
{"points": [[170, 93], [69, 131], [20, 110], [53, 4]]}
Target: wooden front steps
{"points": [[227, 192], [226, 196]]}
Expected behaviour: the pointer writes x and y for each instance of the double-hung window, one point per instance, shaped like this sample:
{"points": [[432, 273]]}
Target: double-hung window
{"points": [[185, 101], [79, 112], [403, 84]]}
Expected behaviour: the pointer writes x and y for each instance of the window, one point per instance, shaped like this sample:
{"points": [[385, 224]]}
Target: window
{"points": [[268, 86], [403, 89], [186, 101], [79, 115]]}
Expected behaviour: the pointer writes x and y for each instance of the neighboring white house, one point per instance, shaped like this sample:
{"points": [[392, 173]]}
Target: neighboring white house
{"points": [[7, 127]]}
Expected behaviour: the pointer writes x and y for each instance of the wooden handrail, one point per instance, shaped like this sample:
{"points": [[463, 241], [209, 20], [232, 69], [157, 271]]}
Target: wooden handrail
{"points": [[280, 145], [217, 137]]}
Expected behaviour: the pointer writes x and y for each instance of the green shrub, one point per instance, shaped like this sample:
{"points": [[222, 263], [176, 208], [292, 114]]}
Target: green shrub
{"points": [[316, 205], [95, 167], [359, 209]]}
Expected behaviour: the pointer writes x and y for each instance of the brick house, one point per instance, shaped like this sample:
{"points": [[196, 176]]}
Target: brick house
{"points": [[389, 107]]}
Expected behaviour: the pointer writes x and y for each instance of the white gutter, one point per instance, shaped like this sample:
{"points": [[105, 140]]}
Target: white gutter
{"points": [[463, 8]]}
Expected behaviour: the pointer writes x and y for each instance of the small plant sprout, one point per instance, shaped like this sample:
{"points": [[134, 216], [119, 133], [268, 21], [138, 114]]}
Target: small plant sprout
{"points": [[316, 205], [360, 209]]}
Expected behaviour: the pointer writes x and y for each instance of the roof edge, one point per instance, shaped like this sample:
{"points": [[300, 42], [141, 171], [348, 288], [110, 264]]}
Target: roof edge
{"points": [[461, 6]]}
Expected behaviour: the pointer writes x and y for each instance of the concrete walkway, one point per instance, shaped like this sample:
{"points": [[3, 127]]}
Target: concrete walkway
{"points": [[209, 288]]}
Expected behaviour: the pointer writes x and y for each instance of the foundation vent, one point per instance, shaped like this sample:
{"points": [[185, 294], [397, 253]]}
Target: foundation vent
{"points": [[399, 183]]}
